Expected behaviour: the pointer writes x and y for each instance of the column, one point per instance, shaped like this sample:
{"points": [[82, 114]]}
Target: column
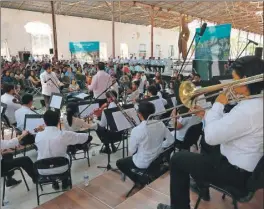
{"points": [[113, 30], [54, 31], [151, 32]]}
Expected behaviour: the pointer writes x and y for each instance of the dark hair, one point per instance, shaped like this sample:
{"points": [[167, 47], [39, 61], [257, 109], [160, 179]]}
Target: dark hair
{"points": [[101, 65], [51, 118], [248, 66], [71, 110], [136, 82], [46, 66], [110, 93], [198, 75], [8, 87], [26, 99], [145, 109], [153, 90], [180, 76]]}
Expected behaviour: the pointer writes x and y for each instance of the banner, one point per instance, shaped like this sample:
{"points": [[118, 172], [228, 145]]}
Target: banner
{"points": [[214, 45], [85, 51]]}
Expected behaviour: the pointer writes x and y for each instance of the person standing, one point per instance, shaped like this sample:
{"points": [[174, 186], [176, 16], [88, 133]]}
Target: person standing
{"points": [[100, 82], [50, 83]]}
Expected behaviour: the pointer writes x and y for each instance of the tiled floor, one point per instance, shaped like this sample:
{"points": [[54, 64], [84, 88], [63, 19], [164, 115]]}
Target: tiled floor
{"points": [[20, 198]]}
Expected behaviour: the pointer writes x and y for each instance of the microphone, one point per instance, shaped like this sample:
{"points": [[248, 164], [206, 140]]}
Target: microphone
{"points": [[203, 28], [255, 43]]}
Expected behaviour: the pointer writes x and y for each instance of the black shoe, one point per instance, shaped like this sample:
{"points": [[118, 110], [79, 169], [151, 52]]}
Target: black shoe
{"points": [[106, 150], [114, 149], [163, 206], [65, 185], [55, 186], [203, 191], [12, 182]]}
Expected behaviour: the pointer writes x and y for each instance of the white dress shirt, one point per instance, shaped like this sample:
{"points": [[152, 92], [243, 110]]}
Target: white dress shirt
{"points": [[186, 122], [20, 116], [100, 82], [11, 107], [133, 95], [147, 141], [164, 101], [239, 132], [53, 142], [77, 124], [7, 144], [48, 86]]}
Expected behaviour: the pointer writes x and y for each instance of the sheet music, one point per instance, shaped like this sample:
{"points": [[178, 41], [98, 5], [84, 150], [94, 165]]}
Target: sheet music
{"points": [[88, 110], [174, 101], [120, 120], [158, 105], [81, 95], [56, 102], [32, 123]]}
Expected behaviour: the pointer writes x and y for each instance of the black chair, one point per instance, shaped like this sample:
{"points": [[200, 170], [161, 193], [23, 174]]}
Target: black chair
{"points": [[157, 168], [77, 149], [51, 163], [5, 174], [191, 137], [254, 183]]}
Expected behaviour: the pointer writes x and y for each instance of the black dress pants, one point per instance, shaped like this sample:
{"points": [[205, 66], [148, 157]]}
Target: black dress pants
{"points": [[125, 165], [204, 169], [108, 137], [9, 163]]}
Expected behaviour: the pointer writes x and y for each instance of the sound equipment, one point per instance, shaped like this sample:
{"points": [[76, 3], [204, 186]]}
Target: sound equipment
{"points": [[51, 51], [258, 52], [254, 42]]}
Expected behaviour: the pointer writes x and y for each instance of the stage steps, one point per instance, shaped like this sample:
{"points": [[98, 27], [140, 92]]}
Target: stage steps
{"points": [[108, 191]]}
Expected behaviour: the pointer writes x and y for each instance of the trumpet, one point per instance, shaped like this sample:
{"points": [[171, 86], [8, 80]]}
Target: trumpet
{"points": [[188, 94]]}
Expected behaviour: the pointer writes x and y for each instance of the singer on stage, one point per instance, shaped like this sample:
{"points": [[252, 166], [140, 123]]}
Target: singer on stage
{"points": [[50, 83]]}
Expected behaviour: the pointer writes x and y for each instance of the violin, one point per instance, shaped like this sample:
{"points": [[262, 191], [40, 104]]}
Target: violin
{"points": [[98, 112]]}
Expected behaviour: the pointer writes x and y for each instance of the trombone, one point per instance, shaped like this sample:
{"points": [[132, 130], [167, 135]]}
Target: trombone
{"points": [[188, 94]]}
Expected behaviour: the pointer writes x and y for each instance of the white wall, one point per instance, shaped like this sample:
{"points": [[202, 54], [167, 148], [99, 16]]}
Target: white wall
{"points": [[82, 29]]}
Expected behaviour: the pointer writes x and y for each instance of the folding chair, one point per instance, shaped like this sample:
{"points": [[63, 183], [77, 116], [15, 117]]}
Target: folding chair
{"points": [[157, 168], [4, 184], [255, 182], [35, 90], [51, 163]]}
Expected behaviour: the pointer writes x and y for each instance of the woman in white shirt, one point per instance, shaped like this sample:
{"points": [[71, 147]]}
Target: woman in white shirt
{"points": [[74, 86], [71, 121]]}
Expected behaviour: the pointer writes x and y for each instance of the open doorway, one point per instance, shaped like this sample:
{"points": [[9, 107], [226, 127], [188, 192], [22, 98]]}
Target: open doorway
{"points": [[124, 50]]}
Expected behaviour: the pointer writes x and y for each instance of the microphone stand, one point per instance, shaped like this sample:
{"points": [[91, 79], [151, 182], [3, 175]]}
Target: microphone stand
{"points": [[249, 42]]}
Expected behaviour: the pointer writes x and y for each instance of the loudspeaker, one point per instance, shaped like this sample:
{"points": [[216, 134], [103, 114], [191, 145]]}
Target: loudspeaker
{"points": [[258, 52], [51, 51]]}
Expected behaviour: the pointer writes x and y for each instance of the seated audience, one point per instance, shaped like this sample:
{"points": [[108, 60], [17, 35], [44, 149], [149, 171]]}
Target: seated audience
{"points": [[33, 78], [6, 77], [239, 134], [52, 142], [9, 99], [145, 143], [74, 86], [8, 162]]}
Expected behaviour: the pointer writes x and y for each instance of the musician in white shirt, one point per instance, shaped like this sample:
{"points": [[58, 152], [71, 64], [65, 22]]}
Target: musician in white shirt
{"points": [[152, 92], [8, 163], [239, 134], [50, 83], [52, 142], [27, 102], [145, 143], [9, 99], [133, 92]]}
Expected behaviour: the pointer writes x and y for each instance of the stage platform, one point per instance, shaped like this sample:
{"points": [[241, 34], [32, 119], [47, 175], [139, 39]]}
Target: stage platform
{"points": [[108, 191]]}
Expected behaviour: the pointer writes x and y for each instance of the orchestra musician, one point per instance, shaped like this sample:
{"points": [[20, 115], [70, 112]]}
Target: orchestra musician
{"points": [[145, 142], [50, 83], [239, 134], [100, 82], [9, 99], [133, 92]]}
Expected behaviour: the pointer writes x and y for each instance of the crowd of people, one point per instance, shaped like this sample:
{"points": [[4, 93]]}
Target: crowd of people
{"points": [[234, 152]]}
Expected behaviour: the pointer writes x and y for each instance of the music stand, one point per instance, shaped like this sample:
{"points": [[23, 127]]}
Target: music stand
{"points": [[56, 101], [33, 121], [159, 106], [117, 123], [86, 108]]}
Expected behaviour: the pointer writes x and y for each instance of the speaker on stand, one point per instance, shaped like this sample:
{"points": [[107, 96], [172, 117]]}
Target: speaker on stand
{"points": [[51, 51], [258, 52]]}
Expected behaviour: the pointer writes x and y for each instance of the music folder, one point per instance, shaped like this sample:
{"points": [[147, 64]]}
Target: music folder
{"points": [[84, 110], [56, 101], [33, 121], [116, 119]]}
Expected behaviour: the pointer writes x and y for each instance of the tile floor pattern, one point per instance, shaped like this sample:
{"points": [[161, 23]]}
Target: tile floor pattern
{"points": [[20, 198]]}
